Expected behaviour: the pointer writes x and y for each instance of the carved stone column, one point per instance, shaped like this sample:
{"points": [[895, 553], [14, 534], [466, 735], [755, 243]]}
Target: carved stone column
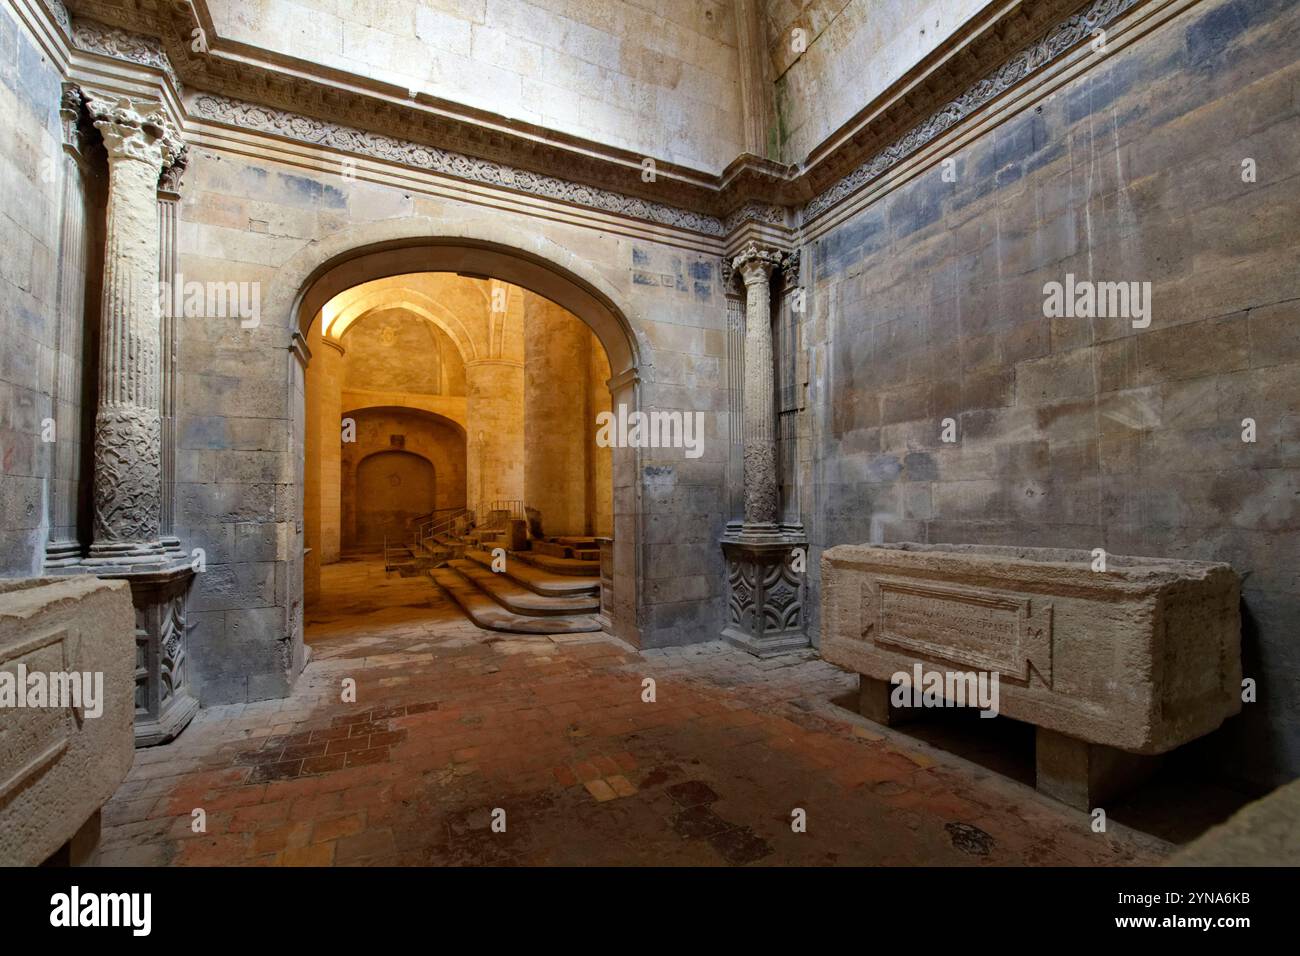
{"points": [[765, 576], [128, 472], [140, 141], [755, 267]]}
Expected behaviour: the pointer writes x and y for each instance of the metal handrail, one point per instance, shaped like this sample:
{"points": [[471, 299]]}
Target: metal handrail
{"points": [[433, 528]]}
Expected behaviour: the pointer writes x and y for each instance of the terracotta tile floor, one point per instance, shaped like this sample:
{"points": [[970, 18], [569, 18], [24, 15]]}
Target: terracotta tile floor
{"points": [[452, 723]]}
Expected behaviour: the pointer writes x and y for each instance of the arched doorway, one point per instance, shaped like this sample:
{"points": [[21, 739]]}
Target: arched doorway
{"points": [[392, 489], [579, 292]]}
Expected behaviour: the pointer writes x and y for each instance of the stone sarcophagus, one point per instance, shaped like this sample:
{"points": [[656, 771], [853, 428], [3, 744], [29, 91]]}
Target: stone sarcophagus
{"points": [[1110, 661], [67, 647]]}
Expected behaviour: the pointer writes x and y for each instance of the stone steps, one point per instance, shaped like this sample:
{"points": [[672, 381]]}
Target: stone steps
{"points": [[572, 567], [536, 579], [517, 599], [488, 614]]}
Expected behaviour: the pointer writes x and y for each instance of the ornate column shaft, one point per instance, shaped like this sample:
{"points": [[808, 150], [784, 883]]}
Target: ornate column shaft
{"points": [[755, 267], [140, 141]]}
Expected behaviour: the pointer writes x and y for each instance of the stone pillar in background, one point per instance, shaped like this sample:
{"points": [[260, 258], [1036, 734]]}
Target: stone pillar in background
{"points": [[494, 412], [142, 144], [765, 566], [494, 407], [600, 461], [557, 358], [326, 375], [63, 548]]}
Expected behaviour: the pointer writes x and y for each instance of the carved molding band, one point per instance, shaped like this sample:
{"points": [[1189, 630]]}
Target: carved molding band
{"points": [[113, 41], [1064, 36], [761, 212], [305, 129]]}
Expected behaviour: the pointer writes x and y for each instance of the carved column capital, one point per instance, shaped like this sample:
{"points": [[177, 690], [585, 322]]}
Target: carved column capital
{"points": [[790, 268], [169, 183], [755, 263], [71, 116], [135, 129]]}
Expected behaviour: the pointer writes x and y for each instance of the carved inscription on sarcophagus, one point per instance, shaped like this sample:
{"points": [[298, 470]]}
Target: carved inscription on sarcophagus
{"points": [[970, 627]]}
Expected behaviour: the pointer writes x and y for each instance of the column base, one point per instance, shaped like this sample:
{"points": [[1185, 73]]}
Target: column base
{"points": [[765, 596], [62, 554], [132, 554], [175, 717], [1084, 775]]}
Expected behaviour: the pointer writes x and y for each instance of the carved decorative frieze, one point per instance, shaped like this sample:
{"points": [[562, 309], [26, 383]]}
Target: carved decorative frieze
{"points": [[605, 182], [305, 129], [92, 37], [1063, 37], [60, 15], [760, 212]]}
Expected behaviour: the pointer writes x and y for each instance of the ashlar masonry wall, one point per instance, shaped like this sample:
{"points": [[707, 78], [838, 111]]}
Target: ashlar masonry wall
{"points": [[928, 305]]}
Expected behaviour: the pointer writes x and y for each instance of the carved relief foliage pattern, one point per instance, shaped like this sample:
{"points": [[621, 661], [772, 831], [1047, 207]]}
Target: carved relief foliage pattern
{"points": [[127, 474]]}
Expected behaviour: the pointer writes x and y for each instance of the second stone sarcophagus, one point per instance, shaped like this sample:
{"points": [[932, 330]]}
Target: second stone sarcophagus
{"points": [[1108, 656]]}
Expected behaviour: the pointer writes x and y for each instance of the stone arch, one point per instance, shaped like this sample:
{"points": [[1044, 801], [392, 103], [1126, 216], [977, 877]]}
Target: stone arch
{"points": [[415, 302], [391, 405], [519, 256]]}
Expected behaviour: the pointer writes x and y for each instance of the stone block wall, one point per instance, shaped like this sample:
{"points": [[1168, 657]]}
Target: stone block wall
{"points": [[820, 83], [657, 78], [31, 183], [560, 454], [1092, 433]]}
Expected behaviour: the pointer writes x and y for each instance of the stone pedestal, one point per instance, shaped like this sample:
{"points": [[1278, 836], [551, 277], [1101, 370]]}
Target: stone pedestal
{"points": [[765, 597], [874, 703], [1085, 775], [164, 705]]}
